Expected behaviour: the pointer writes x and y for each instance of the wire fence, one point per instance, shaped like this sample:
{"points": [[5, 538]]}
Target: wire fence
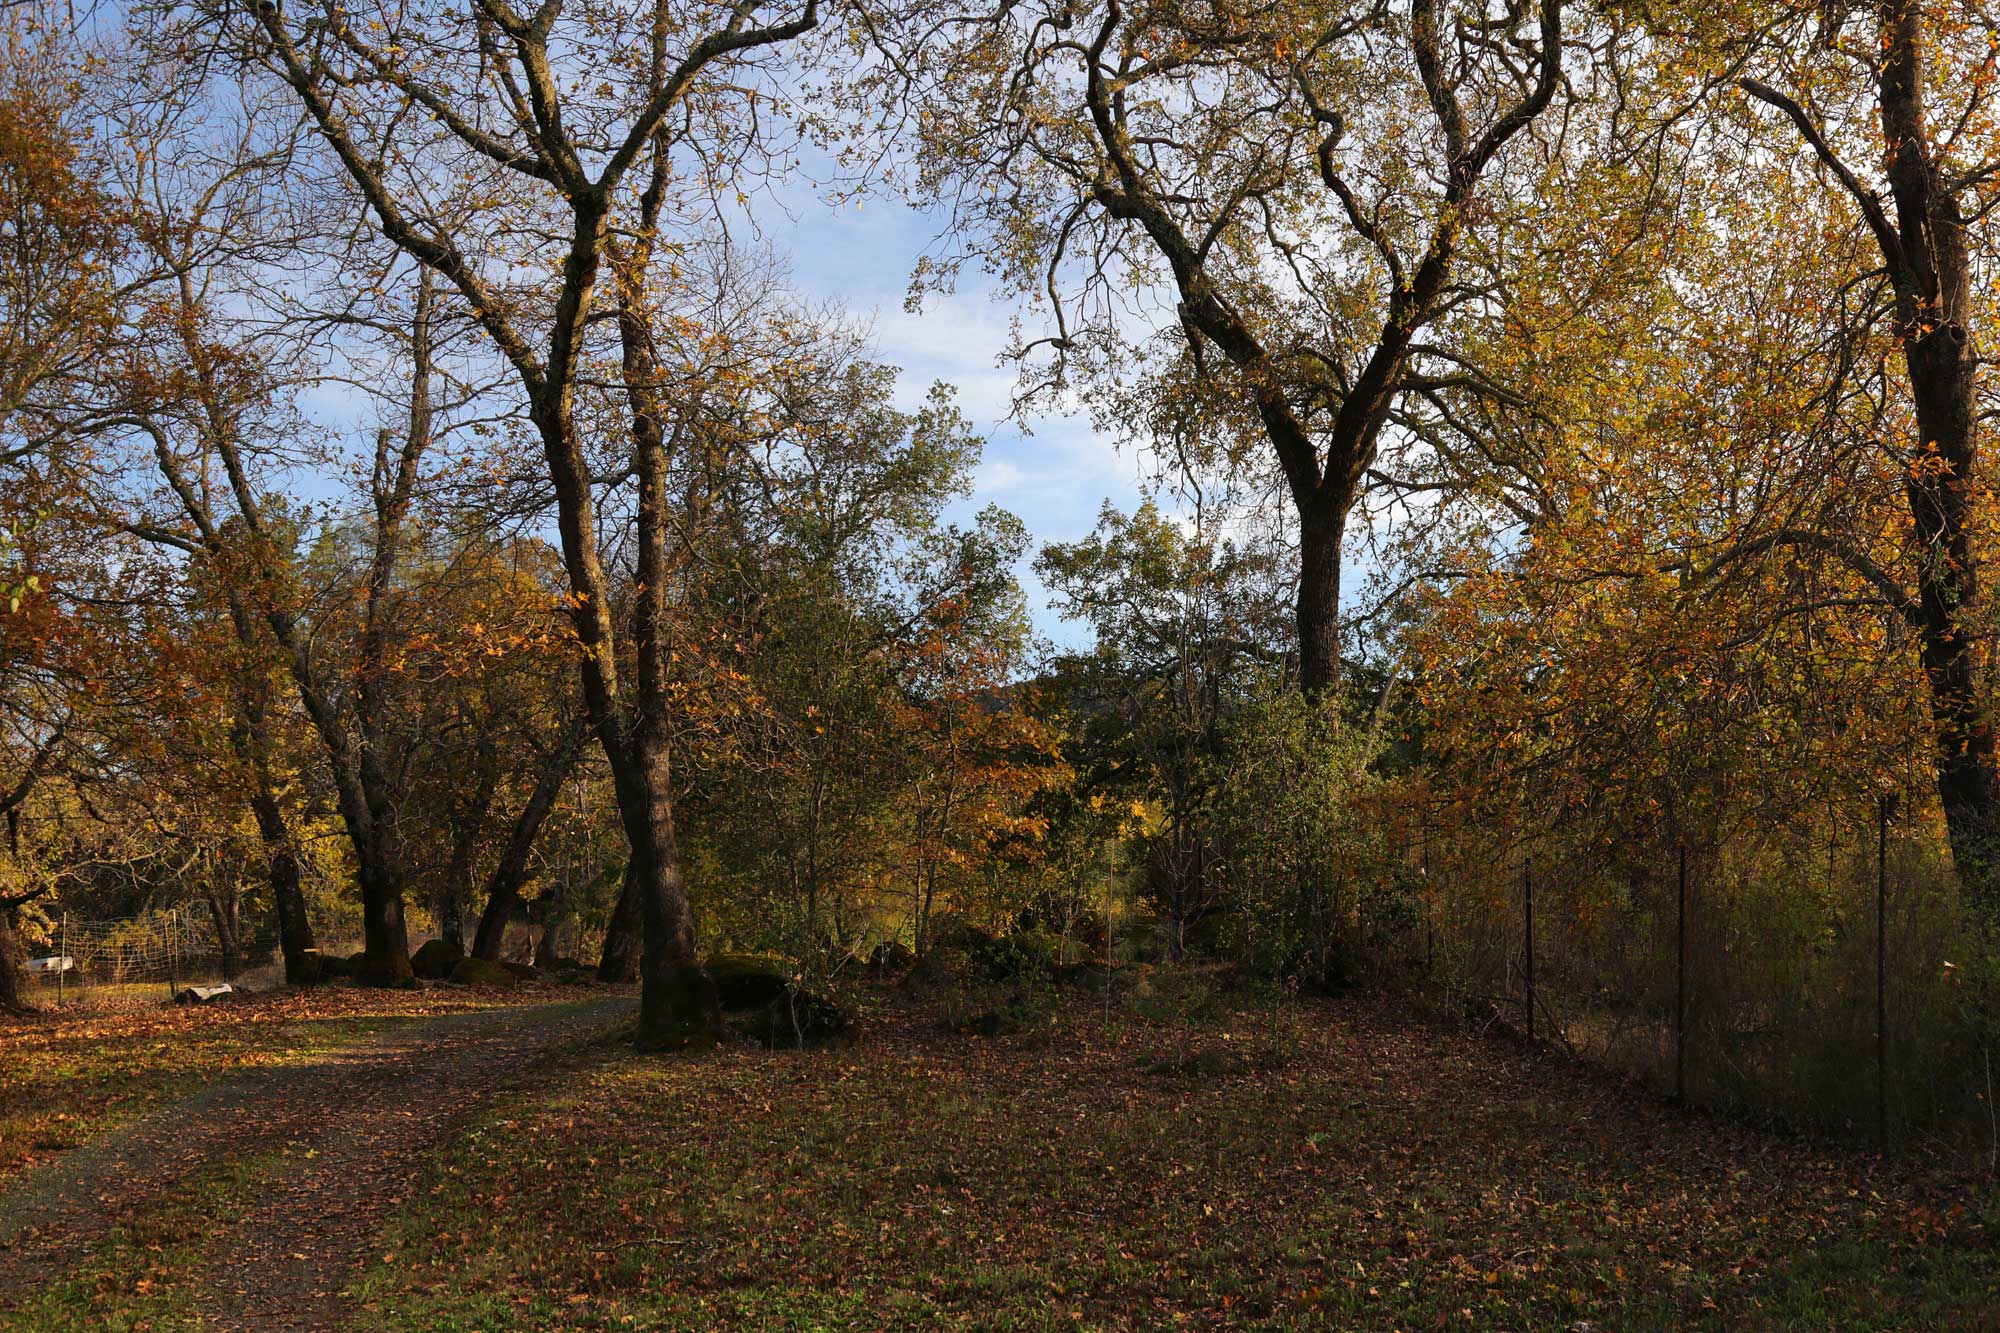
{"points": [[141, 959], [1829, 995]]}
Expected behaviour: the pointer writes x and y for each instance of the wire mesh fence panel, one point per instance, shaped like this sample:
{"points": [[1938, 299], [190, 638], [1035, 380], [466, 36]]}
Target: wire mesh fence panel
{"points": [[1820, 991], [144, 959]]}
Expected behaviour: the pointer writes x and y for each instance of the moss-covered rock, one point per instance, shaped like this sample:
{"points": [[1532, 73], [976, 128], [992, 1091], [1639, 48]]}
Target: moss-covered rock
{"points": [[745, 981], [799, 1019], [436, 959], [479, 972]]}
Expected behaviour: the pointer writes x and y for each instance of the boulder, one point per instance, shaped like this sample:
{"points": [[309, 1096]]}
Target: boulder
{"points": [[436, 959], [745, 981], [799, 1019], [891, 958], [479, 972], [354, 967], [350, 967]]}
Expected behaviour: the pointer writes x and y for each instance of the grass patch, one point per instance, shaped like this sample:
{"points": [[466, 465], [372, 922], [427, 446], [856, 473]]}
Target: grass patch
{"points": [[144, 1274]]}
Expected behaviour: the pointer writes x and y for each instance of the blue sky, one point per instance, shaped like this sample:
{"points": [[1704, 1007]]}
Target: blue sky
{"points": [[1056, 475]]}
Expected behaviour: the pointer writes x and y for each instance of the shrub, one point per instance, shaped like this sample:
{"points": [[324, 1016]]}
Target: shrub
{"points": [[798, 1019]]}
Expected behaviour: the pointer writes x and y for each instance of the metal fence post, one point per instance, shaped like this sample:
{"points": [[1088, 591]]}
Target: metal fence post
{"points": [[1681, 978], [1430, 913], [1887, 811], [1528, 941]]}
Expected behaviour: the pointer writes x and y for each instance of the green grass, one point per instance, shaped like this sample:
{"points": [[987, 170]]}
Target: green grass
{"points": [[1388, 1176], [142, 1276]]}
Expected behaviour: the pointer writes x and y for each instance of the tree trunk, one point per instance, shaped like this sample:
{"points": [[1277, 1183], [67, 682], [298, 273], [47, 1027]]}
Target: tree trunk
{"points": [[619, 962], [385, 939], [1320, 531], [366, 796], [503, 901], [11, 999], [226, 912], [1931, 268], [288, 899], [675, 994], [451, 916], [503, 887], [556, 908], [1968, 784], [468, 819], [677, 1000], [1928, 262], [251, 742]]}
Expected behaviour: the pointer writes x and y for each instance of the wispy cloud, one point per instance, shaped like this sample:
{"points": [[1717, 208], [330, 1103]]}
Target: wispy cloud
{"points": [[1055, 478]]}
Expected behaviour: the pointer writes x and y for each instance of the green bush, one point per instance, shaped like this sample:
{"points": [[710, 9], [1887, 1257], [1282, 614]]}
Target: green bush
{"points": [[1315, 885], [1021, 955], [1014, 1012], [1178, 997]]}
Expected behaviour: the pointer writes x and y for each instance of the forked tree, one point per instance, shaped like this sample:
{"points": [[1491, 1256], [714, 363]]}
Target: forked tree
{"points": [[569, 124], [1300, 179]]}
